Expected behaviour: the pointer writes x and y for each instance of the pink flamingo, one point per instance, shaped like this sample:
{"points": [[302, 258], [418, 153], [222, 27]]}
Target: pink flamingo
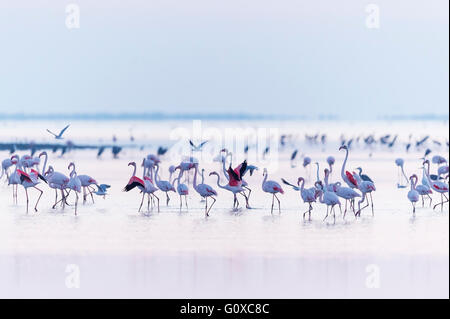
{"points": [[437, 186], [204, 191], [86, 184], [30, 180], [7, 163], [182, 189], [366, 187], [238, 189], [328, 197], [346, 193], [347, 177], [413, 194], [273, 188], [164, 186], [74, 184], [57, 181], [135, 181], [307, 194]]}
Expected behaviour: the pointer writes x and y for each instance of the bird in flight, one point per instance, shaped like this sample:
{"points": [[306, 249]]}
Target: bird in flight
{"points": [[59, 136], [197, 148]]}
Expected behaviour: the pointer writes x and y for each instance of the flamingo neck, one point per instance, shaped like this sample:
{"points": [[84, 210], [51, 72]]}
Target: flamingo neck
{"points": [[195, 176], [343, 165], [317, 173], [302, 186], [218, 181], [265, 179], [45, 164]]}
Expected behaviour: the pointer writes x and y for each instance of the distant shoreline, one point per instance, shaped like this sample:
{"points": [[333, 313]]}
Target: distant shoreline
{"points": [[158, 116]]}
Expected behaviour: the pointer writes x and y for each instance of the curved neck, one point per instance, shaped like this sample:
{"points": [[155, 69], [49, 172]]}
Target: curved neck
{"points": [[177, 179], [343, 165], [218, 181], [203, 176], [326, 180], [134, 169], [195, 176], [225, 173], [427, 173], [73, 173], [302, 186], [156, 173], [403, 172], [265, 179], [45, 164]]}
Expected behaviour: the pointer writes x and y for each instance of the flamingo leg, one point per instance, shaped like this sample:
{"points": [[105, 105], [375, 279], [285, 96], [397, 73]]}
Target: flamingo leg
{"points": [[84, 194], [326, 214], [185, 201], [181, 202], [157, 198], [273, 197], [206, 206], [211, 205], [91, 190], [279, 204], [431, 199], [167, 199], [371, 202], [76, 202], [142, 201], [247, 198], [37, 202]]}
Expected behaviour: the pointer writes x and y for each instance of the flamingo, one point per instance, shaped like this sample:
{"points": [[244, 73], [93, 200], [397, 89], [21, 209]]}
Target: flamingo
{"points": [[413, 194], [30, 180], [273, 188], [164, 186], [234, 177], [204, 190], [346, 193], [363, 176], [238, 189], [197, 148], [328, 197], [14, 180], [308, 195], [7, 163], [86, 182], [182, 189], [400, 162], [437, 186], [347, 177], [331, 160], [424, 189], [135, 181], [150, 190], [366, 187], [74, 184]]}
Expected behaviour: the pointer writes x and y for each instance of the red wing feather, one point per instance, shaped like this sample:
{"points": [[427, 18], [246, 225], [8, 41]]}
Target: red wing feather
{"points": [[351, 178]]}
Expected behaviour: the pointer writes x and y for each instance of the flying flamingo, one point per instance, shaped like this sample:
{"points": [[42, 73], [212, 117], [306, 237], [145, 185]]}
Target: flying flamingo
{"points": [[329, 197], [164, 186], [237, 189], [437, 186], [413, 194], [74, 184], [273, 188], [366, 187], [308, 195], [204, 191]]}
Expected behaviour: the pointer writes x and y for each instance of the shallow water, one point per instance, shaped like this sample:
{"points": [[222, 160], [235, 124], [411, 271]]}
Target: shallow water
{"points": [[250, 253]]}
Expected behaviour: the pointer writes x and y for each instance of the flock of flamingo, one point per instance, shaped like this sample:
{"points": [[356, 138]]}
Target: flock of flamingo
{"points": [[355, 188]]}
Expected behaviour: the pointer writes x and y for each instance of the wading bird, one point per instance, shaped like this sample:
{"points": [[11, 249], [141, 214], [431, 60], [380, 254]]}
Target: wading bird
{"points": [[273, 188]]}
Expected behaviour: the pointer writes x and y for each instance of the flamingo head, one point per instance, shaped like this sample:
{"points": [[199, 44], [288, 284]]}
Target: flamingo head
{"points": [[326, 171], [212, 173], [42, 154], [330, 160], [343, 147], [299, 180], [132, 164], [72, 164], [426, 162], [172, 168], [265, 172]]}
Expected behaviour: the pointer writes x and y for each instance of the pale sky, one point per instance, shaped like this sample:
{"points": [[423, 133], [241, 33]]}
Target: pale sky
{"points": [[218, 56]]}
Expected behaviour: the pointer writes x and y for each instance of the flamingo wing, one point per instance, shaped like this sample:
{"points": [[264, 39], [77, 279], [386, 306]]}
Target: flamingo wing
{"points": [[351, 178], [243, 168], [24, 176]]}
